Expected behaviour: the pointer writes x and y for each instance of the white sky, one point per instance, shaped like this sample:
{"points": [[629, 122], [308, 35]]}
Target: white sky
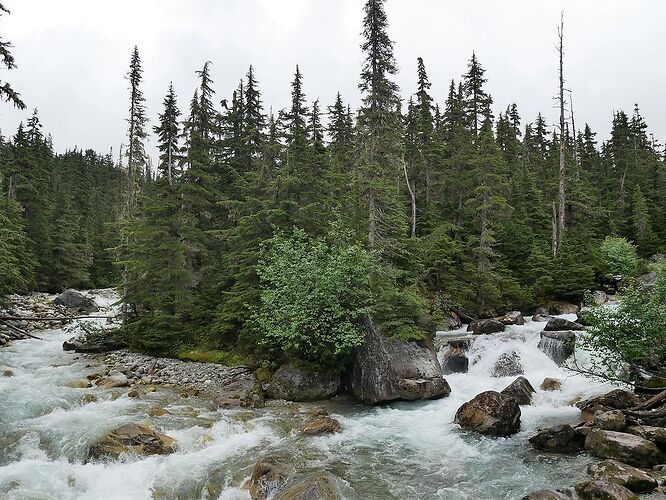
{"points": [[72, 55]]}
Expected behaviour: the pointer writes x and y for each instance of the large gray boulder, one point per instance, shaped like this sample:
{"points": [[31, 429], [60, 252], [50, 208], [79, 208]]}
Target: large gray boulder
{"points": [[297, 384], [486, 326], [558, 439], [561, 325], [625, 475], [71, 299], [384, 370], [558, 346], [93, 342], [490, 413], [521, 390], [627, 448]]}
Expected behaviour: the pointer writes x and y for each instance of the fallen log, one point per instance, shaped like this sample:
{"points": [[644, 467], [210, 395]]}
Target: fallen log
{"points": [[651, 403], [22, 332]]}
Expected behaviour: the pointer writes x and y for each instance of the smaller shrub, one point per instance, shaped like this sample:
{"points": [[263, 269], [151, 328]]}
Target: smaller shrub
{"points": [[620, 258]]}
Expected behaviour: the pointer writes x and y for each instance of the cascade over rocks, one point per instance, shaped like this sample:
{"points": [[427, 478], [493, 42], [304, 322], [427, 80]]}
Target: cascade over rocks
{"points": [[71, 299], [625, 475], [559, 439], [268, 476], [385, 370], [561, 325], [455, 360], [132, 438], [521, 390], [508, 364], [633, 450], [292, 383], [486, 326], [558, 346], [490, 413]]}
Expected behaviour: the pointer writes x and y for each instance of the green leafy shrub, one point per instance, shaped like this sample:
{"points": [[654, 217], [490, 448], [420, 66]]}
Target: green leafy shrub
{"points": [[312, 294], [215, 356], [620, 258]]}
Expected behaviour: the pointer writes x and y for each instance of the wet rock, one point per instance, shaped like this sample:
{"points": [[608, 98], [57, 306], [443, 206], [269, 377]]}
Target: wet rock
{"points": [[455, 361], [612, 420], [88, 398], [158, 412], [384, 370], [617, 399], [541, 318], [132, 438], [490, 413], [508, 365], [601, 490], [71, 299], [268, 476], [625, 475], [551, 384], [114, 380], [485, 326], [558, 346], [563, 494], [627, 448], [460, 342], [561, 325], [562, 308], [296, 384], [322, 425], [521, 390], [320, 487], [512, 318], [599, 298], [79, 384], [651, 433], [7, 373], [558, 439], [97, 342], [134, 393]]}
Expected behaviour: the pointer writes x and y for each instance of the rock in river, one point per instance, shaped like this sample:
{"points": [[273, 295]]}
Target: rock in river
{"points": [[132, 438], [321, 487], [322, 425], [561, 325], [558, 439], [602, 490], [521, 390], [268, 476], [455, 361], [386, 370], [512, 318], [296, 384], [558, 346], [625, 475], [71, 299], [490, 413], [627, 448], [507, 365], [485, 326], [96, 342]]}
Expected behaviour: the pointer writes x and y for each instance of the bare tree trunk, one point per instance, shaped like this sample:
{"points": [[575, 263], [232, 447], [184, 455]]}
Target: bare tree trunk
{"points": [[554, 234], [413, 200], [373, 235], [561, 191]]}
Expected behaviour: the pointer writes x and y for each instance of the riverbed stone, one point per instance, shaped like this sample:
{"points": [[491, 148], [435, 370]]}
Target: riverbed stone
{"points": [[93, 343], [627, 448], [321, 425], [268, 476], [551, 384], [455, 360], [113, 380], [611, 420], [490, 413], [508, 365], [625, 475], [7, 373], [486, 326], [521, 390], [562, 494], [319, 487], [293, 383], [72, 299], [602, 490], [132, 438], [79, 384], [558, 439], [649, 432], [384, 369], [512, 318], [617, 399]]}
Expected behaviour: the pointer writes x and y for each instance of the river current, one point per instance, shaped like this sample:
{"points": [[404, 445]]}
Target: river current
{"points": [[398, 451]]}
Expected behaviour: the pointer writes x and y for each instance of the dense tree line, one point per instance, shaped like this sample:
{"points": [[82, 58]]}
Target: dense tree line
{"points": [[445, 204]]}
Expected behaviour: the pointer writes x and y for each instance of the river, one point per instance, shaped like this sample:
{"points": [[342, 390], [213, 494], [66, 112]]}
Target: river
{"points": [[403, 450]]}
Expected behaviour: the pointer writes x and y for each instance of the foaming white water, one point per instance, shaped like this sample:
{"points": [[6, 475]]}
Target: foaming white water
{"points": [[403, 450]]}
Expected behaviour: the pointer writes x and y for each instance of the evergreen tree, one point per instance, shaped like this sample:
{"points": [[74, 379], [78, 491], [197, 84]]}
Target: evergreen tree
{"points": [[6, 91], [136, 133]]}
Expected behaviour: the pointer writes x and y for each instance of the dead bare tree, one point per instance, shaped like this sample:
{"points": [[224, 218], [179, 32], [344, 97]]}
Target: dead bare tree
{"points": [[561, 195]]}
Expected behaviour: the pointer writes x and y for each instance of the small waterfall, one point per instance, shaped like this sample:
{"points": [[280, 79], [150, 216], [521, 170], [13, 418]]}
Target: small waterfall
{"points": [[554, 349]]}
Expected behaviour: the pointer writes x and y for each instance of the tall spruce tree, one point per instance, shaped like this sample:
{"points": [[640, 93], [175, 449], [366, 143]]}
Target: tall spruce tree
{"points": [[6, 91], [136, 132]]}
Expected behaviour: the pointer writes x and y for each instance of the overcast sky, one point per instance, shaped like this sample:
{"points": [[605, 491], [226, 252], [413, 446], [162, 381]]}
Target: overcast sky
{"points": [[72, 55]]}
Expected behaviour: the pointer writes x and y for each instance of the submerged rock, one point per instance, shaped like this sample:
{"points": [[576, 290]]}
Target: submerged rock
{"points": [[633, 450], [321, 487], [71, 299], [485, 326], [558, 346], [562, 325], [322, 425], [490, 413], [625, 475], [508, 365], [296, 384], [512, 318], [132, 438], [559, 439], [79, 384], [551, 384], [602, 490], [386, 370], [455, 360], [521, 390], [268, 476]]}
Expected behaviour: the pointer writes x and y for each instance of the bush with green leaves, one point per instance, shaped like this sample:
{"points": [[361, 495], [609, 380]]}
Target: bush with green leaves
{"points": [[634, 333], [312, 294], [620, 258]]}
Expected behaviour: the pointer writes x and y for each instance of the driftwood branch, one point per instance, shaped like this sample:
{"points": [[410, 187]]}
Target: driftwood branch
{"points": [[651, 403], [22, 332]]}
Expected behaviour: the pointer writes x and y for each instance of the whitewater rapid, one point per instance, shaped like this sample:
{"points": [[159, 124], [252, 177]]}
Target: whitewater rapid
{"points": [[403, 450]]}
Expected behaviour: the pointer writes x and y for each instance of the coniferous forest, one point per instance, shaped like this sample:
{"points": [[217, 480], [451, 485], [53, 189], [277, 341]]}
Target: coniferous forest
{"points": [[263, 235]]}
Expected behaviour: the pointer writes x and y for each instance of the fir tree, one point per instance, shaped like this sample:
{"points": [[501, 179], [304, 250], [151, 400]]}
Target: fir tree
{"points": [[6, 91]]}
